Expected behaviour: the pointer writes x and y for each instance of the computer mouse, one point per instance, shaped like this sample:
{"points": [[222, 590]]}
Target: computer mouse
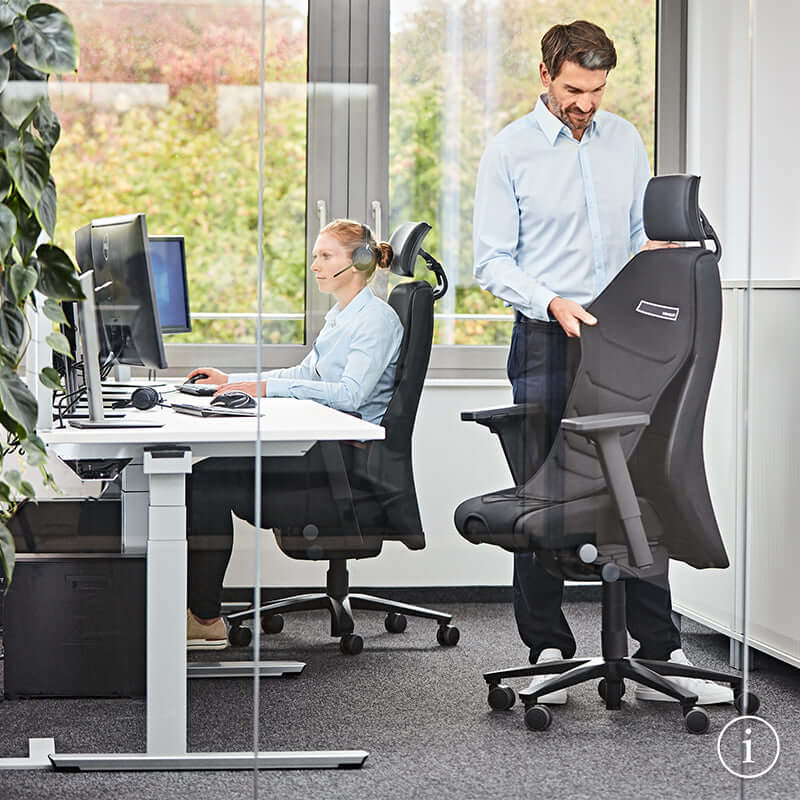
{"points": [[198, 377], [234, 399]]}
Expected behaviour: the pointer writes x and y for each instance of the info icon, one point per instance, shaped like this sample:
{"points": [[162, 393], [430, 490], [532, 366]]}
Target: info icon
{"points": [[748, 747]]}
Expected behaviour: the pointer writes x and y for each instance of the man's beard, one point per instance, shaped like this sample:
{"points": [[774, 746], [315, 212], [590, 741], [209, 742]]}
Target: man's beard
{"points": [[579, 125]]}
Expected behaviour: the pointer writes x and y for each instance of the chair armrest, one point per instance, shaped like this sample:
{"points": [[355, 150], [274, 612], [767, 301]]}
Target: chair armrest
{"points": [[603, 430], [519, 428], [490, 415], [599, 423]]}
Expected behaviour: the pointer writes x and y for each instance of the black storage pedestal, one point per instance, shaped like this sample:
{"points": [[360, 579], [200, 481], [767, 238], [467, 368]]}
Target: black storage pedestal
{"points": [[74, 626]]}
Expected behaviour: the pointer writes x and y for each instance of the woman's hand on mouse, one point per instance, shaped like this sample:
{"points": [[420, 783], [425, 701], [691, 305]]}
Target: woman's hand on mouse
{"points": [[250, 387], [214, 375]]}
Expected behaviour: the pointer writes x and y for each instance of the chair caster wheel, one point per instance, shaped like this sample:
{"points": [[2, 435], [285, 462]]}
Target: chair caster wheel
{"points": [[538, 718], [602, 689], [271, 624], [697, 720], [448, 635], [395, 623], [501, 697], [747, 703], [239, 636], [351, 644]]}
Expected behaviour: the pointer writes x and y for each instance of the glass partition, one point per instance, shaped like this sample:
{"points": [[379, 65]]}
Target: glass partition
{"points": [[178, 112], [750, 442]]}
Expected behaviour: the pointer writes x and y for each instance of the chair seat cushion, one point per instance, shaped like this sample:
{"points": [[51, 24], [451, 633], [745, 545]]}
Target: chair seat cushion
{"points": [[523, 524]]}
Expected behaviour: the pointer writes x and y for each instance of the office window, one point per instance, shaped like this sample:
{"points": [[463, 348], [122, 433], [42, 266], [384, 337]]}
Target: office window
{"points": [[460, 71], [163, 118]]}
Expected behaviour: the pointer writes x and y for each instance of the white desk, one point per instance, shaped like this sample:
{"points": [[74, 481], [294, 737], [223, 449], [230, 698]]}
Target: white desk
{"points": [[288, 428]]}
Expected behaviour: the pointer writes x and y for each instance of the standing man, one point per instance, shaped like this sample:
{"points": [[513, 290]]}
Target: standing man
{"points": [[558, 212]]}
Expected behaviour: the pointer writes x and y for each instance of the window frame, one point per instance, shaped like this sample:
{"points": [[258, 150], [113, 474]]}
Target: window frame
{"points": [[349, 44]]}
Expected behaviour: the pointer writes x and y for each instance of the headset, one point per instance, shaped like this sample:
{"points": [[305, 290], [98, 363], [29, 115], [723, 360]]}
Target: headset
{"points": [[364, 257], [143, 398]]}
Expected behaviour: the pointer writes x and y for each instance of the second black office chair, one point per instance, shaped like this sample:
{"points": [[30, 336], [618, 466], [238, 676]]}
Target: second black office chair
{"points": [[623, 488], [366, 494]]}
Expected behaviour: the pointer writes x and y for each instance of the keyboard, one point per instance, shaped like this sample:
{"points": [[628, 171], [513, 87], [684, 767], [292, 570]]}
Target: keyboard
{"points": [[198, 389]]}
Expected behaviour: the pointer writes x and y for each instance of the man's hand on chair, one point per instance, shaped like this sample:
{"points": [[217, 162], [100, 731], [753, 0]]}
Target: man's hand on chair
{"points": [[569, 315], [653, 244]]}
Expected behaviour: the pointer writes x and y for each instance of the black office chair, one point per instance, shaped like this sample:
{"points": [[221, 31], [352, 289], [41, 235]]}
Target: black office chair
{"points": [[623, 487], [365, 493]]}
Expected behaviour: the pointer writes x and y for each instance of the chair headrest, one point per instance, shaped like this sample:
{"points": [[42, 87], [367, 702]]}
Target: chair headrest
{"points": [[671, 209], [406, 242]]}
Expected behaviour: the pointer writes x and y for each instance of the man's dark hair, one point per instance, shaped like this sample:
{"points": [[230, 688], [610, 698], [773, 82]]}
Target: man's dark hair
{"points": [[582, 42]]}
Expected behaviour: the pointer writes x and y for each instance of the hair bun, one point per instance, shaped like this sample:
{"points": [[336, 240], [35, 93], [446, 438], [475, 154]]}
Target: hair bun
{"points": [[385, 255]]}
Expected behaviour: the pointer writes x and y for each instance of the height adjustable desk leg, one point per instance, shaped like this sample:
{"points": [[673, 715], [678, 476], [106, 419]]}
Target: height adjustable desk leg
{"points": [[166, 470]]}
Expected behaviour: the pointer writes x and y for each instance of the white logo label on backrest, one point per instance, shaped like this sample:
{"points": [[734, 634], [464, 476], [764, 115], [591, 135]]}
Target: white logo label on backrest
{"points": [[657, 310]]}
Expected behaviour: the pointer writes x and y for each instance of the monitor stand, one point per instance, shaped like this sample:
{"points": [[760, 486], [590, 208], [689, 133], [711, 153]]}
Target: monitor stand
{"points": [[106, 415], [122, 373], [87, 327], [112, 423]]}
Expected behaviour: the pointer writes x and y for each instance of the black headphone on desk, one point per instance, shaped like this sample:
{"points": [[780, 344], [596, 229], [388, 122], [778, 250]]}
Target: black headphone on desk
{"points": [[364, 257], [144, 398]]}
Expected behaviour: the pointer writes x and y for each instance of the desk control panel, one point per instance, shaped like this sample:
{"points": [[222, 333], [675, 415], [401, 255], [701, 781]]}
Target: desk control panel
{"points": [[213, 411], [198, 389]]}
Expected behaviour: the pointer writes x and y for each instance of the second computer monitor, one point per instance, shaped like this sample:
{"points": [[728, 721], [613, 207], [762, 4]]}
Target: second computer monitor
{"points": [[168, 258]]}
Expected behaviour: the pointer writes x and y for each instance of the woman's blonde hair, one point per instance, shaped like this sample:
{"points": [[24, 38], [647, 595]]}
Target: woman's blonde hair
{"points": [[352, 235]]}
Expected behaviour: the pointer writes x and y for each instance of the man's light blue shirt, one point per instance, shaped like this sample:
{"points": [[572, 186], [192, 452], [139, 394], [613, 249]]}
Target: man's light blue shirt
{"points": [[555, 216], [352, 364]]}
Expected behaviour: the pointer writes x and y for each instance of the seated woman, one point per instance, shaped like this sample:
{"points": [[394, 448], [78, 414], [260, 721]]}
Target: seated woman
{"points": [[350, 367]]}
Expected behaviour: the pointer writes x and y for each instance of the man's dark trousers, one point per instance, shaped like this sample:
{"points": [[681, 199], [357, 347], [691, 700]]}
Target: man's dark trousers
{"points": [[541, 366]]}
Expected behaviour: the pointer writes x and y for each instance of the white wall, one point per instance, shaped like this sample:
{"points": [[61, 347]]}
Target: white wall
{"points": [[718, 131]]}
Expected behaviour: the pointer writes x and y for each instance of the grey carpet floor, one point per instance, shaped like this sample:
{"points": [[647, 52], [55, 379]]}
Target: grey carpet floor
{"points": [[420, 710]]}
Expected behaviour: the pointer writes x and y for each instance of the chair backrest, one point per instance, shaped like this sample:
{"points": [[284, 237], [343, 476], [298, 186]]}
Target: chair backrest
{"points": [[384, 468], [653, 350]]}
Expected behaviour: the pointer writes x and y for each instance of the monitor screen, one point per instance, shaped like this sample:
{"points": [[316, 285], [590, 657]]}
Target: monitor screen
{"points": [[130, 328], [168, 258]]}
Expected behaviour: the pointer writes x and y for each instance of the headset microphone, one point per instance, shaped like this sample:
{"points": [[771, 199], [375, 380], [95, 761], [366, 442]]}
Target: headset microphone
{"points": [[337, 274]]}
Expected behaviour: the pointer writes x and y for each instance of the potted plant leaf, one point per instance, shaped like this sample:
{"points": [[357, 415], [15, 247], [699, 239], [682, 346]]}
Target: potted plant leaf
{"points": [[37, 40]]}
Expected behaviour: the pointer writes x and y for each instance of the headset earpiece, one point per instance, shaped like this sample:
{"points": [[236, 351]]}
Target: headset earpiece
{"points": [[144, 398], [365, 256]]}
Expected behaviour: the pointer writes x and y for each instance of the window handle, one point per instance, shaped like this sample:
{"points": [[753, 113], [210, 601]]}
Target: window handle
{"points": [[377, 220], [322, 212]]}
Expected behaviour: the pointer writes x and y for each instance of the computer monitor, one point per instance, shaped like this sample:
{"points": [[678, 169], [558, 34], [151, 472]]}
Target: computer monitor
{"points": [[127, 310], [168, 258]]}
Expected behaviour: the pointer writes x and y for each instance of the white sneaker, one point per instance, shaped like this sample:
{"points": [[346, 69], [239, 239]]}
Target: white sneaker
{"points": [[708, 693], [559, 696]]}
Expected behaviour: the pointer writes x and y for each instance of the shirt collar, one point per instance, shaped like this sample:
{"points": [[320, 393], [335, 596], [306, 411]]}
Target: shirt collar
{"points": [[352, 308], [551, 125]]}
